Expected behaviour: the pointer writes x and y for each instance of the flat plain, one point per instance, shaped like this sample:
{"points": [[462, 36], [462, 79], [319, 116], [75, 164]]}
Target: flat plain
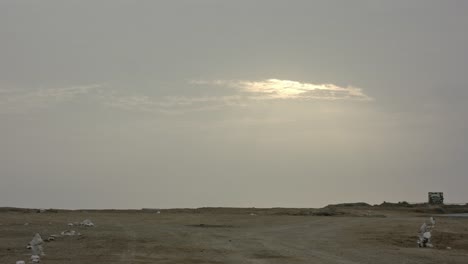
{"points": [[341, 234]]}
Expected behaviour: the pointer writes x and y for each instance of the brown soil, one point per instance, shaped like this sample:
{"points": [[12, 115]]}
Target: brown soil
{"points": [[350, 234]]}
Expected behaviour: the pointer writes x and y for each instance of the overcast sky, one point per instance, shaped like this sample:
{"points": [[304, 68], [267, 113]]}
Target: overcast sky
{"points": [[131, 104]]}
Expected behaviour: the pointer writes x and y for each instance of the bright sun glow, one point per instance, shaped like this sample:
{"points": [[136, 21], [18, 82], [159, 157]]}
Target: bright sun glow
{"points": [[286, 89]]}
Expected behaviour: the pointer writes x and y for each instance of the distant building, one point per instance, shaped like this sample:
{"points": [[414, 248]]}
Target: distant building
{"points": [[436, 198]]}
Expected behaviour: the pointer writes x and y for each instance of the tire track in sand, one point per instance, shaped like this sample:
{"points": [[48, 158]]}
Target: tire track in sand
{"points": [[128, 254]]}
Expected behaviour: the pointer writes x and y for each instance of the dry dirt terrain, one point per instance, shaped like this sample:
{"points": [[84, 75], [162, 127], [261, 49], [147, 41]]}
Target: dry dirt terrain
{"points": [[222, 235]]}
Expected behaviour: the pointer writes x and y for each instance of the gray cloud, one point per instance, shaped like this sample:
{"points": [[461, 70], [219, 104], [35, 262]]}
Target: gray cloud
{"points": [[287, 89], [20, 101], [306, 138], [171, 104], [242, 93]]}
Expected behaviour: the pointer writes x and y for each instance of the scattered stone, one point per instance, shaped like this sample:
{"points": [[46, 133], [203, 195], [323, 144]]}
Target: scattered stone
{"points": [[87, 223], [20, 262], [71, 224], [449, 248], [35, 259], [70, 233], [252, 214]]}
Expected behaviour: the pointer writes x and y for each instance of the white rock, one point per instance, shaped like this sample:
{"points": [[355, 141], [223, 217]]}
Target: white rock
{"points": [[427, 235], [35, 259], [423, 228], [68, 233], [36, 245], [20, 262], [87, 223], [37, 240]]}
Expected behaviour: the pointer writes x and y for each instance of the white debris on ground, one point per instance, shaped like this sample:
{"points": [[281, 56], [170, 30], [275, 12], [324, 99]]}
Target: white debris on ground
{"points": [[35, 259], [424, 237], [36, 245], [70, 233], [50, 238], [87, 223], [252, 214]]}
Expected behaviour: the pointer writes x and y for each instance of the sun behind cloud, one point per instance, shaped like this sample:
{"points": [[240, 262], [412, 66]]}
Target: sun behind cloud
{"points": [[287, 89]]}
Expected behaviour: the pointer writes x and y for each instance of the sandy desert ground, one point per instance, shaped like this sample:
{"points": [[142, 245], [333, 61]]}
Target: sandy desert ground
{"points": [[228, 235]]}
